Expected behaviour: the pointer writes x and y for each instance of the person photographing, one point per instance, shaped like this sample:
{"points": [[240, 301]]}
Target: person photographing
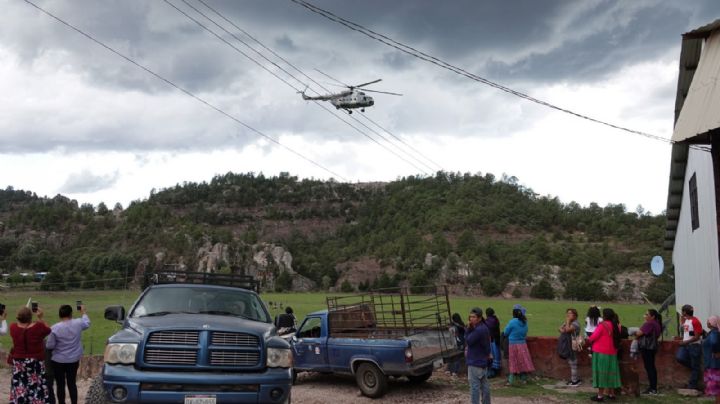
{"points": [[67, 350], [27, 358]]}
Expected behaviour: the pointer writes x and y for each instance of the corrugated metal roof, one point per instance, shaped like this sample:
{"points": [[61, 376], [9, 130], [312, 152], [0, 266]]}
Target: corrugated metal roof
{"points": [[699, 113], [704, 31], [689, 57]]}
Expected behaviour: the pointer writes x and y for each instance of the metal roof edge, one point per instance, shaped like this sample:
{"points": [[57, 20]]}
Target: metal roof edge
{"points": [[676, 187], [702, 32]]}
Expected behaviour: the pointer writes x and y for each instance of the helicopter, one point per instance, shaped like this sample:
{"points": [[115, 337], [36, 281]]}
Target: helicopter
{"points": [[349, 99]]}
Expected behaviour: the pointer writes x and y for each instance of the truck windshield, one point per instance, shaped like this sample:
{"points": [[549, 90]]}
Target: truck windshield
{"points": [[201, 300]]}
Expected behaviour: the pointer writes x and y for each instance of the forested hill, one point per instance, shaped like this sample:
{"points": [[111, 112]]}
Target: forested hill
{"points": [[475, 231]]}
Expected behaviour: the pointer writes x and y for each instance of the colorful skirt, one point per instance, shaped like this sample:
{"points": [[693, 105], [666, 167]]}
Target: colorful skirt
{"points": [[712, 382], [28, 382], [605, 371], [519, 359]]}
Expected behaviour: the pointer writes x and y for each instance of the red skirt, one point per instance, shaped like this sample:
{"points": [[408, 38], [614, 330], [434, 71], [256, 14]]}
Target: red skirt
{"points": [[519, 359]]}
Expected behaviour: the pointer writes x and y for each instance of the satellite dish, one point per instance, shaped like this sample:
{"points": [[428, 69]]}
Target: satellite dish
{"points": [[657, 266]]}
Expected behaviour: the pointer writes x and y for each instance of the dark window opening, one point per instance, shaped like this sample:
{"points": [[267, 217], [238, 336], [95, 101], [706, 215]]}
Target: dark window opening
{"points": [[694, 203]]}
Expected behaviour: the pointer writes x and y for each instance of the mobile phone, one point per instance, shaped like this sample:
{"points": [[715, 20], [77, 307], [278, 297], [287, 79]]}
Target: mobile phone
{"points": [[78, 304], [2, 309], [34, 307]]}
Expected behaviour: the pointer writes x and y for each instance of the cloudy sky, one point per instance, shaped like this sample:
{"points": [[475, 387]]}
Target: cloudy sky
{"points": [[79, 120]]}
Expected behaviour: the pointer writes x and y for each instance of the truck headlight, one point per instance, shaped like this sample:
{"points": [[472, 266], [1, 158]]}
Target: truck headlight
{"points": [[279, 358], [120, 353]]}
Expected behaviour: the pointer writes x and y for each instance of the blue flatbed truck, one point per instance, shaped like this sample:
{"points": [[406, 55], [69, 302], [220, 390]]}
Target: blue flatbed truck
{"points": [[188, 339], [374, 336]]}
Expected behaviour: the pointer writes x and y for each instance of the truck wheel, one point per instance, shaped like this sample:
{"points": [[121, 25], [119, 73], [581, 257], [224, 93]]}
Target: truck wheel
{"points": [[419, 379], [96, 393], [372, 382]]}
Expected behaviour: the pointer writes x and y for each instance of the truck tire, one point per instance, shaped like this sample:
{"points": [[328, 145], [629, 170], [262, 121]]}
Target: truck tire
{"points": [[420, 378], [372, 382], [96, 393]]}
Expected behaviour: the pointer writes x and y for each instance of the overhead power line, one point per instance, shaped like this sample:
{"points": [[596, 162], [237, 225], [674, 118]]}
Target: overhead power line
{"points": [[296, 89], [185, 91], [311, 79], [447, 66]]}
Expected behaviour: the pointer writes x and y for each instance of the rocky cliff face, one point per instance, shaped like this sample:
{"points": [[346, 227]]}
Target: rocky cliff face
{"points": [[266, 263]]}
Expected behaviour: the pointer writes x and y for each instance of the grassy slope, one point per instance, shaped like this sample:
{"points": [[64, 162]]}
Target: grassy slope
{"points": [[544, 316]]}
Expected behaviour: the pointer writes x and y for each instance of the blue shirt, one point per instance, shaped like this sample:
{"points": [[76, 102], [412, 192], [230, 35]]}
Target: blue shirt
{"points": [[478, 346], [711, 344], [516, 331], [65, 339]]}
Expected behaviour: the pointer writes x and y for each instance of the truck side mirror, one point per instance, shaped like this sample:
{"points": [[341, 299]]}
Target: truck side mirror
{"points": [[294, 338], [115, 313]]}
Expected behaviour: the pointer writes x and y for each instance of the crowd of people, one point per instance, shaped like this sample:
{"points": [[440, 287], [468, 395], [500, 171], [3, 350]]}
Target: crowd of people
{"points": [[41, 354], [481, 341]]}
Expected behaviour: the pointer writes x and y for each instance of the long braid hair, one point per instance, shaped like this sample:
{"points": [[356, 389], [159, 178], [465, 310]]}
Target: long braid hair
{"points": [[658, 317], [593, 314], [610, 316]]}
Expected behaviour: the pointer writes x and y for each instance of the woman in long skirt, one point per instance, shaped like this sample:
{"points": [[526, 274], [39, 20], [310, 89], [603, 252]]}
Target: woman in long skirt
{"points": [[28, 384], [605, 342], [519, 360]]}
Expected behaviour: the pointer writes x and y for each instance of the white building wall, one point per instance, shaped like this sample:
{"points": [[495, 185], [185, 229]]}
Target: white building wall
{"points": [[695, 255]]}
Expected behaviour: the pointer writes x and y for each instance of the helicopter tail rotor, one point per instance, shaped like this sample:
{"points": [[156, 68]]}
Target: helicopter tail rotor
{"points": [[305, 97]]}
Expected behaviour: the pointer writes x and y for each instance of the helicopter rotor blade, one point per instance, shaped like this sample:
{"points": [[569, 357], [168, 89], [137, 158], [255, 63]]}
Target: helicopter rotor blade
{"points": [[368, 83], [332, 78], [382, 92]]}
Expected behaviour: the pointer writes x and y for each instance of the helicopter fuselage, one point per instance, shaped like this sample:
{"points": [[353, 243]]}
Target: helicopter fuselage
{"points": [[356, 99]]}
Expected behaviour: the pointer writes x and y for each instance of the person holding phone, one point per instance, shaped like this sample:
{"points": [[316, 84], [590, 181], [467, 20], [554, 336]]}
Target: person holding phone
{"points": [[27, 358], [67, 350]]}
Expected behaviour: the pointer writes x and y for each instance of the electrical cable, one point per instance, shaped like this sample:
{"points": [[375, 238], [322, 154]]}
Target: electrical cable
{"points": [[183, 90], [445, 65], [286, 82], [309, 78], [403, 142]]}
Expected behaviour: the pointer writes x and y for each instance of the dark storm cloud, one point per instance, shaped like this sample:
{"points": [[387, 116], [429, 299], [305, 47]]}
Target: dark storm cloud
{"points": [[285, 43], [528, 43], [87, 182], [397, 60], [548, 40]]}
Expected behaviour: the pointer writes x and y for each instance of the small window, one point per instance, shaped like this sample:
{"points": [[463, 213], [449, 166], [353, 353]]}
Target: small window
{"points": [[695, 218], [311, 329]]}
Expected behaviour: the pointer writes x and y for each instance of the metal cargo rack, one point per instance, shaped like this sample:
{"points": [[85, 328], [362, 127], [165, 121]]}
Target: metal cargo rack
{"points": [[202, 278], [390, 312]]}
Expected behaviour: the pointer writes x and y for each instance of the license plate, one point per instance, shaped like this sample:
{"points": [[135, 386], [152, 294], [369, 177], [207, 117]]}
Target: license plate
{"points": [[437, 363], [198, 399]]}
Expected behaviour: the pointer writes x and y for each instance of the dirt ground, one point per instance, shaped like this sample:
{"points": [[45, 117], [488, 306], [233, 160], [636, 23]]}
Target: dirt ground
{"points": [[313, 388]]}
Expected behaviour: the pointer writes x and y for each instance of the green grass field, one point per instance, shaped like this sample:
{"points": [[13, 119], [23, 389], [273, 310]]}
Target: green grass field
{"points": [[544, 316]]}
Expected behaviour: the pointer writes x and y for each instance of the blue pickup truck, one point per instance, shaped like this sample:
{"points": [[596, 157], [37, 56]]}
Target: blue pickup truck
{"points": [[194, 342], [373, 336]]}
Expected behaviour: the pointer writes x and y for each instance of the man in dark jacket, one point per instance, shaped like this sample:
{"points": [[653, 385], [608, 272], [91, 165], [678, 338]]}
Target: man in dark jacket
{"points": [[478, 356]]}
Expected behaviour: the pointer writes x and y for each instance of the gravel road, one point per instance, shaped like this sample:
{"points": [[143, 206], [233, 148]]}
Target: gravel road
{"points": [[314, 388]]}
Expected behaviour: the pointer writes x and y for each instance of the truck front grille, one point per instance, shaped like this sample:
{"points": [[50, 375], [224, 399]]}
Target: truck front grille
{"points": [[174, 338], [156, 356], [234, 358], [233, 339], [190, 349]]}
